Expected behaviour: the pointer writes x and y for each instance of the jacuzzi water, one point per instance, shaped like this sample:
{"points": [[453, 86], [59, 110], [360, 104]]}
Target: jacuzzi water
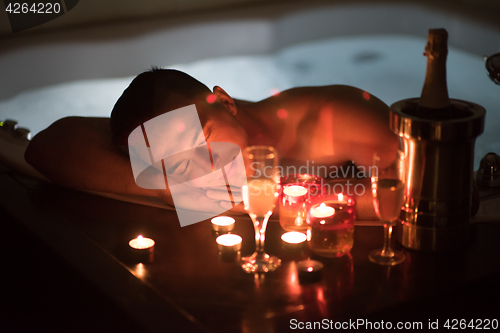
{"points": [[391, 67]]}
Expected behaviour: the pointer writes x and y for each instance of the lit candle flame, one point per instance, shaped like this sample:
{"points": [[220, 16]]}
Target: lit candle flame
{"points": [[295, 190], [298, 221], [322, 211]]}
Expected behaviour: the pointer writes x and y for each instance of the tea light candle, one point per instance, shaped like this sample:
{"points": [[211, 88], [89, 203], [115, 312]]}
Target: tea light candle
{"points": [[141, 243], [222, 224], [309, 270], [295, 190], [229, 243], [322, 211], [331, 226], [293, 237], [142, 248], [293, 241]]}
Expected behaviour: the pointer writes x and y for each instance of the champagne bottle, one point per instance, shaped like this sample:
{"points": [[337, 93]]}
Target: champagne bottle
{"points": [[434, 102]]}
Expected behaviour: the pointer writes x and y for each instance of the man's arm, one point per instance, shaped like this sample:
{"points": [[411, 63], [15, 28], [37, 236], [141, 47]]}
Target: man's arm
{"points": [[78, 152]]}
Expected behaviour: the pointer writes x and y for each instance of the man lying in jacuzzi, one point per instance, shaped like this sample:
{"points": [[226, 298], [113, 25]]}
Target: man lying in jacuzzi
{"points": [[309, 126]]}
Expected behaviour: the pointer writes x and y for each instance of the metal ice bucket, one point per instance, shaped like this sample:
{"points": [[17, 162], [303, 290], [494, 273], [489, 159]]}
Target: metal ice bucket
{"points": [[439, 156]]}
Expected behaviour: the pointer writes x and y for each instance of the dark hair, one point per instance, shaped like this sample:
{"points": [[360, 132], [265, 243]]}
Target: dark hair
{"points": [[147, 95]]}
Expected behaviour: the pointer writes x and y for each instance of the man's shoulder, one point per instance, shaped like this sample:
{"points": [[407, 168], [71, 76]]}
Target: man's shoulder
{"points": [[80, 124], [99, 121]]}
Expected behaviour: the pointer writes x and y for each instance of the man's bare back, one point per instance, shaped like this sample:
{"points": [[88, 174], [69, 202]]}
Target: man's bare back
{"points": [[329, 125]]}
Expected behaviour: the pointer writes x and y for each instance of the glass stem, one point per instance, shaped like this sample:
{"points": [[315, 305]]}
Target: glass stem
{"points": [[387, 250], [260, 236]]}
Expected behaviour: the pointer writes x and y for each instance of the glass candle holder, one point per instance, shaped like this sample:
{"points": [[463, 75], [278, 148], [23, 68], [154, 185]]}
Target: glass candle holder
{"points": [[331, 225], [296, 192]]}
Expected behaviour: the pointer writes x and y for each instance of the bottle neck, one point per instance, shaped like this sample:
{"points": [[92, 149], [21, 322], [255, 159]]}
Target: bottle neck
{"points": [[435, 92]]}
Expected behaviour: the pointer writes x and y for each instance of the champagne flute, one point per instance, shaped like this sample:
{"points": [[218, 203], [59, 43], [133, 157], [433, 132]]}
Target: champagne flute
{"points": [[259, 196], [388, 191]]}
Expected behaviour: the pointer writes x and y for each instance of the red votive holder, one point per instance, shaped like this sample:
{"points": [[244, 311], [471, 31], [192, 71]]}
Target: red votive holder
{"points": [[331, 225]]}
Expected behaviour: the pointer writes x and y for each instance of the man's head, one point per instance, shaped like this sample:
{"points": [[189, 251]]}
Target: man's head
{"points": [[150, 94], [155, 93]]}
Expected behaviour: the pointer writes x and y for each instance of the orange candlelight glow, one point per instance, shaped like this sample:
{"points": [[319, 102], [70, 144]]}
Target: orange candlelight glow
{"points": [[295, 190], [293, 237], [141, 243], [222, 224], [229, 242], [322, 211]]}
